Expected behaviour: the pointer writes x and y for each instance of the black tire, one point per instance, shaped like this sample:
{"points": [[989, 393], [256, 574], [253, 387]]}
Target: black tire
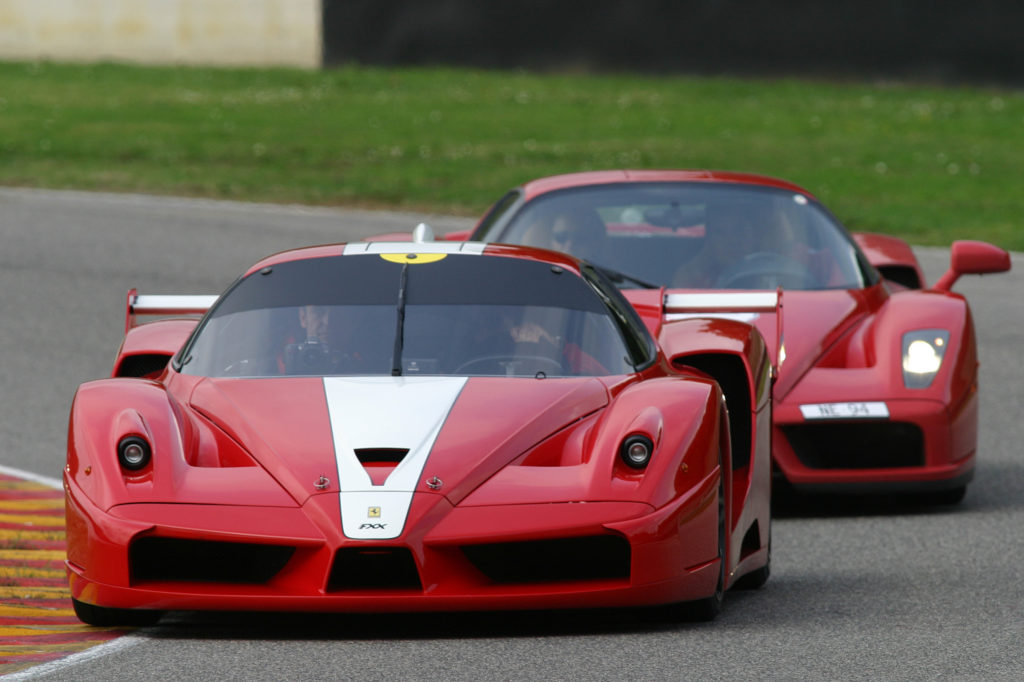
{"points": [[105, 617], [946, 497]]}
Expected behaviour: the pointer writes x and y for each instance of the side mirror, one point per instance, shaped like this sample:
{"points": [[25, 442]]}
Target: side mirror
{"points": [[972, 258]]}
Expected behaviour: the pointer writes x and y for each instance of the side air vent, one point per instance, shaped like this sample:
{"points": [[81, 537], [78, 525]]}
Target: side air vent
{"points": [[374, 568], [901, 274], [143, 365], [178, 560]]}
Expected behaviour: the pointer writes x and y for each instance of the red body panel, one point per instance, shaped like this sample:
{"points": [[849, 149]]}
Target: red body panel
{"points": [[664, 516], [845, 347], [603, 177], [248, 466]]}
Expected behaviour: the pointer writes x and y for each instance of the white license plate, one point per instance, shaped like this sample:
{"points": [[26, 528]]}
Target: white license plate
{"points": [[877, 410]]}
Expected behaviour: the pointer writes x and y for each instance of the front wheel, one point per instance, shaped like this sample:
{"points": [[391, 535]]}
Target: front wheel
{"points": [[106, 617], [708, 608], [946, 497]]}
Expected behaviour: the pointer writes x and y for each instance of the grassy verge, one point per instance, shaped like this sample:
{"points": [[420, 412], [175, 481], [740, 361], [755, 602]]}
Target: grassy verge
{"points": [[927, 163]]}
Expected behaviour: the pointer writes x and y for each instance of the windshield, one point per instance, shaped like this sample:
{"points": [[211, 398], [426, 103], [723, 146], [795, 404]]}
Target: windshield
{"points": [[365, 315], [693, 235]]}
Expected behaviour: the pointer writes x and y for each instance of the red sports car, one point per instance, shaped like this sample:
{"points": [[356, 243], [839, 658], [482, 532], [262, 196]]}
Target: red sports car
{"points": [[420, 426], [877, 388]]}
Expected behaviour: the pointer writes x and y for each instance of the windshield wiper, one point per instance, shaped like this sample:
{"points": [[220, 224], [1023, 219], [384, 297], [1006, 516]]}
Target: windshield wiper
{"points": [[396, 356], [622, 277]]}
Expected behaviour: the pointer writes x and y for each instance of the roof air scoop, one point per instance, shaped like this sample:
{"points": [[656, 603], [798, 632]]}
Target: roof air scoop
{"points": [[423, 233]]}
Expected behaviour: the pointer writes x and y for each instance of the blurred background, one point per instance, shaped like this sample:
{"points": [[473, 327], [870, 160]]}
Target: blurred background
{"points": [[920, 39], [903, 116]]}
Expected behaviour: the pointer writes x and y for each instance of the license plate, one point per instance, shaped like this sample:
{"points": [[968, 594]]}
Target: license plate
{"points": [[877, 410]]}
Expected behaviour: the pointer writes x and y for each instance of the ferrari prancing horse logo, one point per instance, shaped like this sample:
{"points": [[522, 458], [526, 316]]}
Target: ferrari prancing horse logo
{"points": [[373, 513]]}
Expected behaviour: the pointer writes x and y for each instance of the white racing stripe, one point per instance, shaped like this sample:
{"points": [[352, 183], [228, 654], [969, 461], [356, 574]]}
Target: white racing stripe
{"points": [[384, 412]]}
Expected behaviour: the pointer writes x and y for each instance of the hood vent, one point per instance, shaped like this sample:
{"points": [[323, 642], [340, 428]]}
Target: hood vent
{"points": [[380, 462], [381, 456]]}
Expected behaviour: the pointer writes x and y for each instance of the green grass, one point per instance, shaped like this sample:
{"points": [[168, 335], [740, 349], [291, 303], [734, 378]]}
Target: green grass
{"points": [[928, 163]]}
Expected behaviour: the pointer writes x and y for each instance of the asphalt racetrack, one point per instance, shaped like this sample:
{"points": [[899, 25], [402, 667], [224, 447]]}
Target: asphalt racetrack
{"points": [[863, 590]]}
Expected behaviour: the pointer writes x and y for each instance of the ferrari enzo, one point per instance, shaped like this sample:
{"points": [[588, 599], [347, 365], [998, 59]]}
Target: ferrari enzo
{"points": [[877, 384], [407, 427]]}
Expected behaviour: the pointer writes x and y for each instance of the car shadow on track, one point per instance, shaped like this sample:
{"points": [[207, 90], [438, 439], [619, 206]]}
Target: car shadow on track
{"points": [[997, 487], [801, 505], [416, 626]]}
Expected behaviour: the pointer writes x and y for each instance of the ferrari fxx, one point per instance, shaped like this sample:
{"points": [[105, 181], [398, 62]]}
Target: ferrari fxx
{"points": [[407, 427], [877, 384]]}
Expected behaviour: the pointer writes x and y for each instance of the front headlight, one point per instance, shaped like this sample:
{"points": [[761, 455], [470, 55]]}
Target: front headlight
{"points": [[923, 351]]}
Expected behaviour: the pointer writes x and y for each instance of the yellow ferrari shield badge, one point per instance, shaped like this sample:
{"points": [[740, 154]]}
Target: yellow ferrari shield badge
{"points": [[413, 258]]}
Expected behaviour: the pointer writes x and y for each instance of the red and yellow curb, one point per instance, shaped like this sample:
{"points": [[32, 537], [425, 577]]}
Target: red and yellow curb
{"points": [[37, 623]]}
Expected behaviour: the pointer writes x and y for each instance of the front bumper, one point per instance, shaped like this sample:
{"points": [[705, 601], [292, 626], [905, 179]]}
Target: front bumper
{"points": [[921, 447], [571, 555]]}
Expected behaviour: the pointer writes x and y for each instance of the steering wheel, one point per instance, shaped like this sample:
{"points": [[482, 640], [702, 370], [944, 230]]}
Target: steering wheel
{"points": [[509, 365], [766, 270]]}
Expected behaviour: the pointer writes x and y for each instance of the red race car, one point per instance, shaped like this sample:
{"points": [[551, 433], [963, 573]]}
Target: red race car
{"points": [[877, 385], [412, 427]]}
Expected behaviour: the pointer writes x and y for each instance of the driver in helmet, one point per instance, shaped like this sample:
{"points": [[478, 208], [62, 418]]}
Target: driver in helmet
{"points": [[730, 235]]}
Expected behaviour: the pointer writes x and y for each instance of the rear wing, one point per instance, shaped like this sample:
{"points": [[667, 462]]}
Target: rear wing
{"points": [[163, 305], [744, 306], [707, 304]]}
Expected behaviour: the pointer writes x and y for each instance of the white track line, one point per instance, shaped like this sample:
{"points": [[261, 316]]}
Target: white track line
{"points": [[49, 481], [93, 652]]}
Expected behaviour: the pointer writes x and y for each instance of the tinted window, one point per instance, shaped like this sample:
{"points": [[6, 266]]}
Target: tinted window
{"points": [[695, 235], [462, 315]]}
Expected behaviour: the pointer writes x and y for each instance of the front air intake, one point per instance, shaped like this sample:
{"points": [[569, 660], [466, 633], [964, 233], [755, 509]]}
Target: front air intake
{"points": [[178, 560], [601, 557], [857, 445], [374, 568]]}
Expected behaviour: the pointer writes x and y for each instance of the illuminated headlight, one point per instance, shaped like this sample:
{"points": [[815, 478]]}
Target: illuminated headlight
{"points": [[133, 453], [636, 451], [923, 351]]}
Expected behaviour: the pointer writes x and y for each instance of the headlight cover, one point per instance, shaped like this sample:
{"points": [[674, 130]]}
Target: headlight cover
{"points": [[923, 351]]}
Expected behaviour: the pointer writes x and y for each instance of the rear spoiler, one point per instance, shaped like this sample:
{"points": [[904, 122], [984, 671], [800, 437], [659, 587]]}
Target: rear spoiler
{"points": [[163, 305], [734, 305], [725, 302]]}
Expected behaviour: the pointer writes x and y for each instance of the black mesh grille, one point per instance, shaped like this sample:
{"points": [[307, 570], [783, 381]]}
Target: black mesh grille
{"points": [[374, 568], [860, 445], [174, 559], [599, 557]]}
